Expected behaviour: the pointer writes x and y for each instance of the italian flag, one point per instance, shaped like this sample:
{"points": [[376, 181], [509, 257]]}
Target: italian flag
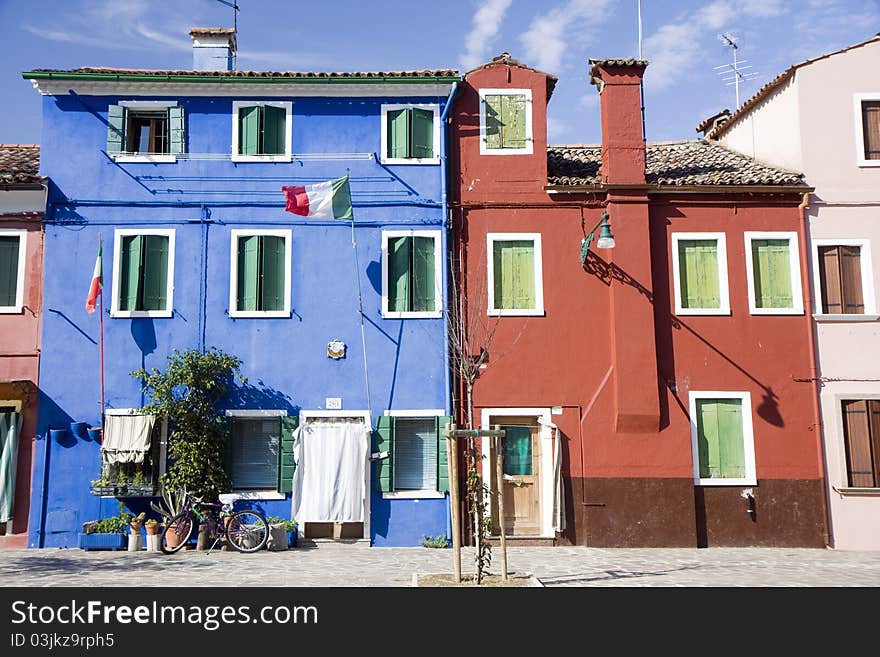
{"points": [[97, 283], [323, 200]]}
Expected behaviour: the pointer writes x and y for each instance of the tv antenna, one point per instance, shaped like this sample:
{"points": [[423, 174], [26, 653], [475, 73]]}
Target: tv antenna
{"points": [[734, 72], [235, 10]]}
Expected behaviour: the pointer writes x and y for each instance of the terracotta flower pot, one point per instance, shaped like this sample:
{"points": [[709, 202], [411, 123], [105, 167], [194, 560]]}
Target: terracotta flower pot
{"points": [[152, 529]]}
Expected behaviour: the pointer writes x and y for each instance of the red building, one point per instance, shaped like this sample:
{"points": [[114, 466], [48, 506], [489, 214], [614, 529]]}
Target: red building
{"points": [[655, 393], [22, 205]]}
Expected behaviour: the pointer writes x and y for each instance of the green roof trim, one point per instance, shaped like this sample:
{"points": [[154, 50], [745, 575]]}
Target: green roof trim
{"points": [[233, 79]]}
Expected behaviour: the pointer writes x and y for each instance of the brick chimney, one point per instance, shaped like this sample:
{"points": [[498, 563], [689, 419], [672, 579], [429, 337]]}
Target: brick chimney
{"points": [[213, 48], [623, 135]]}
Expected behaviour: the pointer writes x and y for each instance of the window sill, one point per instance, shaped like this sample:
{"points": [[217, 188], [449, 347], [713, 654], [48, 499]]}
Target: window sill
{"points": [[506, 151], [539, 312], [776, 311], [707, 312], [134, 314], [414, 495], [848, 491], [11, 310], [151, 159], [258, 495], [268, 314], [410, 160], [415, 315], [869, 163], [846, 318], [261, 158], [725, 482]]}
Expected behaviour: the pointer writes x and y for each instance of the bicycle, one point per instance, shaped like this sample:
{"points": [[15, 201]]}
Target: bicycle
{"points": [[245, 530]]}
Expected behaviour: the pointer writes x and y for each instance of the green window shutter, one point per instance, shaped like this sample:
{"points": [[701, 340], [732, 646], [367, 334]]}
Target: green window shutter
{"points": [[249, 130], [771, 267], [271, 273], [384, 470], [720, 438], [274, 134], [115, 129], [422, 133], [9, 247], [423, 283], [226, 429], [514, 271], [397, 134], [248, 279], [399, 274], [493, 121], [131, 266], [513, 121], [155, 273], [177, 130], [286, 464], [698, 273], [442, 456]]}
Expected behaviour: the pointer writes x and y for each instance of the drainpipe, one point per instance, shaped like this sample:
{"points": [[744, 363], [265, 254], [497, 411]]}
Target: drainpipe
{"points": [[444, 204], [814, 373]]}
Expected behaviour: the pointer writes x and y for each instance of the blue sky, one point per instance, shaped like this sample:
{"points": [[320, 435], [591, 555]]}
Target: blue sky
{"points": [[558, 36]]}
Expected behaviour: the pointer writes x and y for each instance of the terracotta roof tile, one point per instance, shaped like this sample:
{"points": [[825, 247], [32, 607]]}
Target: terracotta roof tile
{"points": [[444, 72], [19, 163], [505, 59], [683, 163]]}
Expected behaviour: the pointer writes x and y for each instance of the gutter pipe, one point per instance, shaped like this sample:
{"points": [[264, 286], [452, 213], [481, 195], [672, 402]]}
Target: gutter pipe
{"points": [[444, 204]]}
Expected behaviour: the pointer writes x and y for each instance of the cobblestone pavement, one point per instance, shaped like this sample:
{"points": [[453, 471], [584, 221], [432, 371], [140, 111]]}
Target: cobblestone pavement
{"points": [[361, 566]]}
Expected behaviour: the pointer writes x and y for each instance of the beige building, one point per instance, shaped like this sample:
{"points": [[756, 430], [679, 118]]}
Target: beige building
{"points": [[822, 117]]}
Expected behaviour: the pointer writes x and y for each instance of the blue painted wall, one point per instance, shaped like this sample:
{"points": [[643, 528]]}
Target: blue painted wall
{"points": [[203, 200]]}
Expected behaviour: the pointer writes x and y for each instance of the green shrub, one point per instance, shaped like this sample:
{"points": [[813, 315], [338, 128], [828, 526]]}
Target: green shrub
{"points": [[289, 525], [438, 541]]}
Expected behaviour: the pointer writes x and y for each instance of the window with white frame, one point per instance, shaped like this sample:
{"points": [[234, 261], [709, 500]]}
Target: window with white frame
{"points": [[861, 435], [262, 131], [867, 123], [515, 277], [844, 287], [506, 122], [699, 272], [722, 438], [259, 282], [12, 259], [412, 459], [411, 273], [773, 273], [259, 450], [146, 131], [143, 273], [410, 134]]}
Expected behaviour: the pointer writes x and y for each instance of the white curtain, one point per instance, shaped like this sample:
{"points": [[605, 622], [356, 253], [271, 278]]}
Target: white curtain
{"points": [[328, 484], [10, 429], [126, 438]]}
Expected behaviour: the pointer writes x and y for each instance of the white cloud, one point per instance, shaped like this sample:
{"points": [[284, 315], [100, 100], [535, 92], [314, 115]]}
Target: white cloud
{"points": [[486, 24], [552, 33], [716, 15]]}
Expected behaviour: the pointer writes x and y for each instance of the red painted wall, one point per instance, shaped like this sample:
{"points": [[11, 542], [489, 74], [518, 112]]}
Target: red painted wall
{"points": [[19, 361]]}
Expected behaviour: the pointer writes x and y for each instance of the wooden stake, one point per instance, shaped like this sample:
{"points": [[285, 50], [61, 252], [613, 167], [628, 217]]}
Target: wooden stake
{"points": [[452, 461], [499, 491]]}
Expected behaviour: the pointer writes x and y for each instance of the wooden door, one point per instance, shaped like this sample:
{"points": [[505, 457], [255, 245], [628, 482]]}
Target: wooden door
{"points": [[521, 487]]}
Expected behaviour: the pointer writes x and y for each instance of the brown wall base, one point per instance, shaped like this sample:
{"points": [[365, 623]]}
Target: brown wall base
{"points": [[616, 512]]}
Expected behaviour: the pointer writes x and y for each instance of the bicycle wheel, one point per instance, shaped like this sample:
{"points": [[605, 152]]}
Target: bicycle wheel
{"points": [[176, 533], [247, 531]]}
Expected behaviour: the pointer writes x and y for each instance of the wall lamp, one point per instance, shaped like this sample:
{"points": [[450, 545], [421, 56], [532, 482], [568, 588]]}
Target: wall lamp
{"points": [[606, 239]]}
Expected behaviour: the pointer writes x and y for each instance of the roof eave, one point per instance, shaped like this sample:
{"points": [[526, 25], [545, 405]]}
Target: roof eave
{"points": [[156, 77], [671, 189]]}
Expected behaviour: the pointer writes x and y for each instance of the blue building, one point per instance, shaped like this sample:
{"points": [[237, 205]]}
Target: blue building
{"points": [[180, 174]]}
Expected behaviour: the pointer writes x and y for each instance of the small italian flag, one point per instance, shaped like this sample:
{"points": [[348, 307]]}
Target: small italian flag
{"points": [[97, 283], [323, 200]]}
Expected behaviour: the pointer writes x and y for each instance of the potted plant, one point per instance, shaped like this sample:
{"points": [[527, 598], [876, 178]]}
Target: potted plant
{"points": [[170, 504], [152, 527], [290, 529], [134, 537], [106, 533]]}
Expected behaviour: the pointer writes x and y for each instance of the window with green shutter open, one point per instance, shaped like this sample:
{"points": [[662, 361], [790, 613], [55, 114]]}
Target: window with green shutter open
{"points": [[412, 454], [142, 130], [143, 272], [262, 130], [409, 133], [11, 260], [513, 263], [260, 273], [411, 273]]}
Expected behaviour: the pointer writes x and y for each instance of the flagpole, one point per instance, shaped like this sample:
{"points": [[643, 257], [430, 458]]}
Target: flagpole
{"points": [[101, 324]]}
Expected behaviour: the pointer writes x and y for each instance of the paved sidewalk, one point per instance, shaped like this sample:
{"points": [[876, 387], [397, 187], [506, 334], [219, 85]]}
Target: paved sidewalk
{"points": [[350, 565]]}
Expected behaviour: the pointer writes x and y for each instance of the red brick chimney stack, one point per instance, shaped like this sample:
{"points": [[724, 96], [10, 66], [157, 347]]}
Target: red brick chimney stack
{"points": [[623, 136]]}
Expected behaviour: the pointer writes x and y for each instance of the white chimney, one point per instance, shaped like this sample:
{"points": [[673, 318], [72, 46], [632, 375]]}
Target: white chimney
{"points": [[213, 48]]}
